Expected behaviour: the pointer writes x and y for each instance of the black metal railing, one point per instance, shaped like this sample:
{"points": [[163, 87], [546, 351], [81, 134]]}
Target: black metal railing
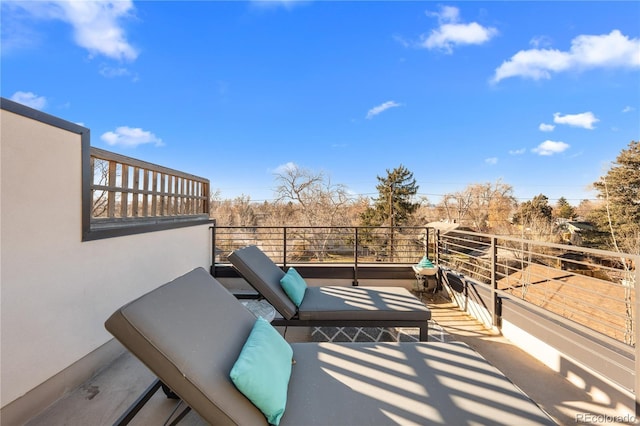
{"points": [[325, 244], [594, 288]]}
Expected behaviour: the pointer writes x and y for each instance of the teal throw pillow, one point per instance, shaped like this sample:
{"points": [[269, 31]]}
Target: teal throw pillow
{"points": [[425, 263], [294, 285], [263, 369]]}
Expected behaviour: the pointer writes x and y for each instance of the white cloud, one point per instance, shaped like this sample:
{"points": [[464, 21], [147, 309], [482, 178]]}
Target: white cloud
{"points": [[613, 50], [96, 24], [111, 72], [584, 120], [452, 33], [540, 41], [30, 99], [381, 108], [517, 151], [550, 147], [544, 127], [446, 14], [16, 34], [628, 108], [130, 137], [491, 160], [284, 168], [401, 40]]}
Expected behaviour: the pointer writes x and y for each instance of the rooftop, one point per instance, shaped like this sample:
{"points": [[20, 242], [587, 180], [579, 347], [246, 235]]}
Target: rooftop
{"points": [[559, 321]]}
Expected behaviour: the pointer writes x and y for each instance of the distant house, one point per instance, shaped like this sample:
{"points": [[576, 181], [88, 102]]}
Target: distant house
{"points": [[443, 227], [574, 232]]}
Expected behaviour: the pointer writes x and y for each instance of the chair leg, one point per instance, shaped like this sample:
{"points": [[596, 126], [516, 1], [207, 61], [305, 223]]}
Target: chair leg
{"points": [[424, 332], [168, 392], [131, 412], [179, 417]]}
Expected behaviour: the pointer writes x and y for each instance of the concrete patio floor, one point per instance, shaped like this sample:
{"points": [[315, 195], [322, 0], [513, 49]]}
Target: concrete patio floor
{"points": [[101, 400]]}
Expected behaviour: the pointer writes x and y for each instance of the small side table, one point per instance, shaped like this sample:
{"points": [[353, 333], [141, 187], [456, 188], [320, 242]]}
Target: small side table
{"points": [[260, 308], [422, 278]]}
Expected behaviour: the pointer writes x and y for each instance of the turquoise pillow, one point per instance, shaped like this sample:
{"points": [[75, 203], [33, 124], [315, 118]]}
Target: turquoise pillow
{"points": [[294, 285], [263, 369], [425, 263]]}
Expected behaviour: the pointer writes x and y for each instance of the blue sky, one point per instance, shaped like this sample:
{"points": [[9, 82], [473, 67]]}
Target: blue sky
{"points": [[540, 95]]}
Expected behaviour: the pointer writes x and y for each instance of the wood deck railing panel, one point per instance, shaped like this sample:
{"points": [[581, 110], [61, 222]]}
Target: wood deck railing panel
{"points": [[131, 196]]}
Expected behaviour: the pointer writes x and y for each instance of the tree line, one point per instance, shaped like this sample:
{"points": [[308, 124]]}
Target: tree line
{"points": [[308, 198]]}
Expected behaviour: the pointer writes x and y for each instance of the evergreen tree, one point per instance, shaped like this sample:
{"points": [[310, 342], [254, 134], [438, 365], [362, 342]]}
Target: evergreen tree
{"points": [[394, 204], [536, 211], [536, 219], [563, 209], [393, 207], [620, 190]]}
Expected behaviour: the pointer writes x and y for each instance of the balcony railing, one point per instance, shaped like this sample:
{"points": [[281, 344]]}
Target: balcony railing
{"points": [[326, 244], [353, 253], [594, 288]]}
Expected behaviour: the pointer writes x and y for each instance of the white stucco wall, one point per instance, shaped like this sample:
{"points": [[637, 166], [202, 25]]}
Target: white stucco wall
{"points": [[585, 378], [56, 291]]}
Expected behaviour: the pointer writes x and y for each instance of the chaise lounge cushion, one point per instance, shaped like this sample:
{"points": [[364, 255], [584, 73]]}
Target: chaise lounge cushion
{"points": [[190, 332], [264, 276], [402, 383], [327, 302], [362, 303]]}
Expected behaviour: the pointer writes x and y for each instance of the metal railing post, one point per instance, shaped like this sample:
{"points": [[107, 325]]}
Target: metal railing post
{"points": [[495, 300], [437, 247], [426, 242], [284, 247], [436, 257], [213, 249], [355, 257], [636, 323]]}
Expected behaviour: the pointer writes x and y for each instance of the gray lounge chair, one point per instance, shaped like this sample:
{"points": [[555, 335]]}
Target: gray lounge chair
{"points": [[190, 331], [356, 306]]}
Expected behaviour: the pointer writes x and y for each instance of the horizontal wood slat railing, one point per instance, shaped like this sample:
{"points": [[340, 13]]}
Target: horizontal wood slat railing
{"points": [[126, 191]]}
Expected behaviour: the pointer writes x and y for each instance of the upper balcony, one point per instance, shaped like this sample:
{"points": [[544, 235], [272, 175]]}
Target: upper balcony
{"points": [[85, 231]]}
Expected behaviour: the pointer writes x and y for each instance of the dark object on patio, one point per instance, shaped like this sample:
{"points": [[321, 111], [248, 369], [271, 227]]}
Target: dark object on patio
{"points": [[336, 306], [423, 276], [191, 331]]}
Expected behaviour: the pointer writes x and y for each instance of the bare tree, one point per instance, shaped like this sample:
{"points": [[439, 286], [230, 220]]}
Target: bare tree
{"points": [[491, 205], [455, 206], [425, 213], [101, 178], [481, 206], [244, 212], [321, 203], [237, 212], [318, 201]]}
